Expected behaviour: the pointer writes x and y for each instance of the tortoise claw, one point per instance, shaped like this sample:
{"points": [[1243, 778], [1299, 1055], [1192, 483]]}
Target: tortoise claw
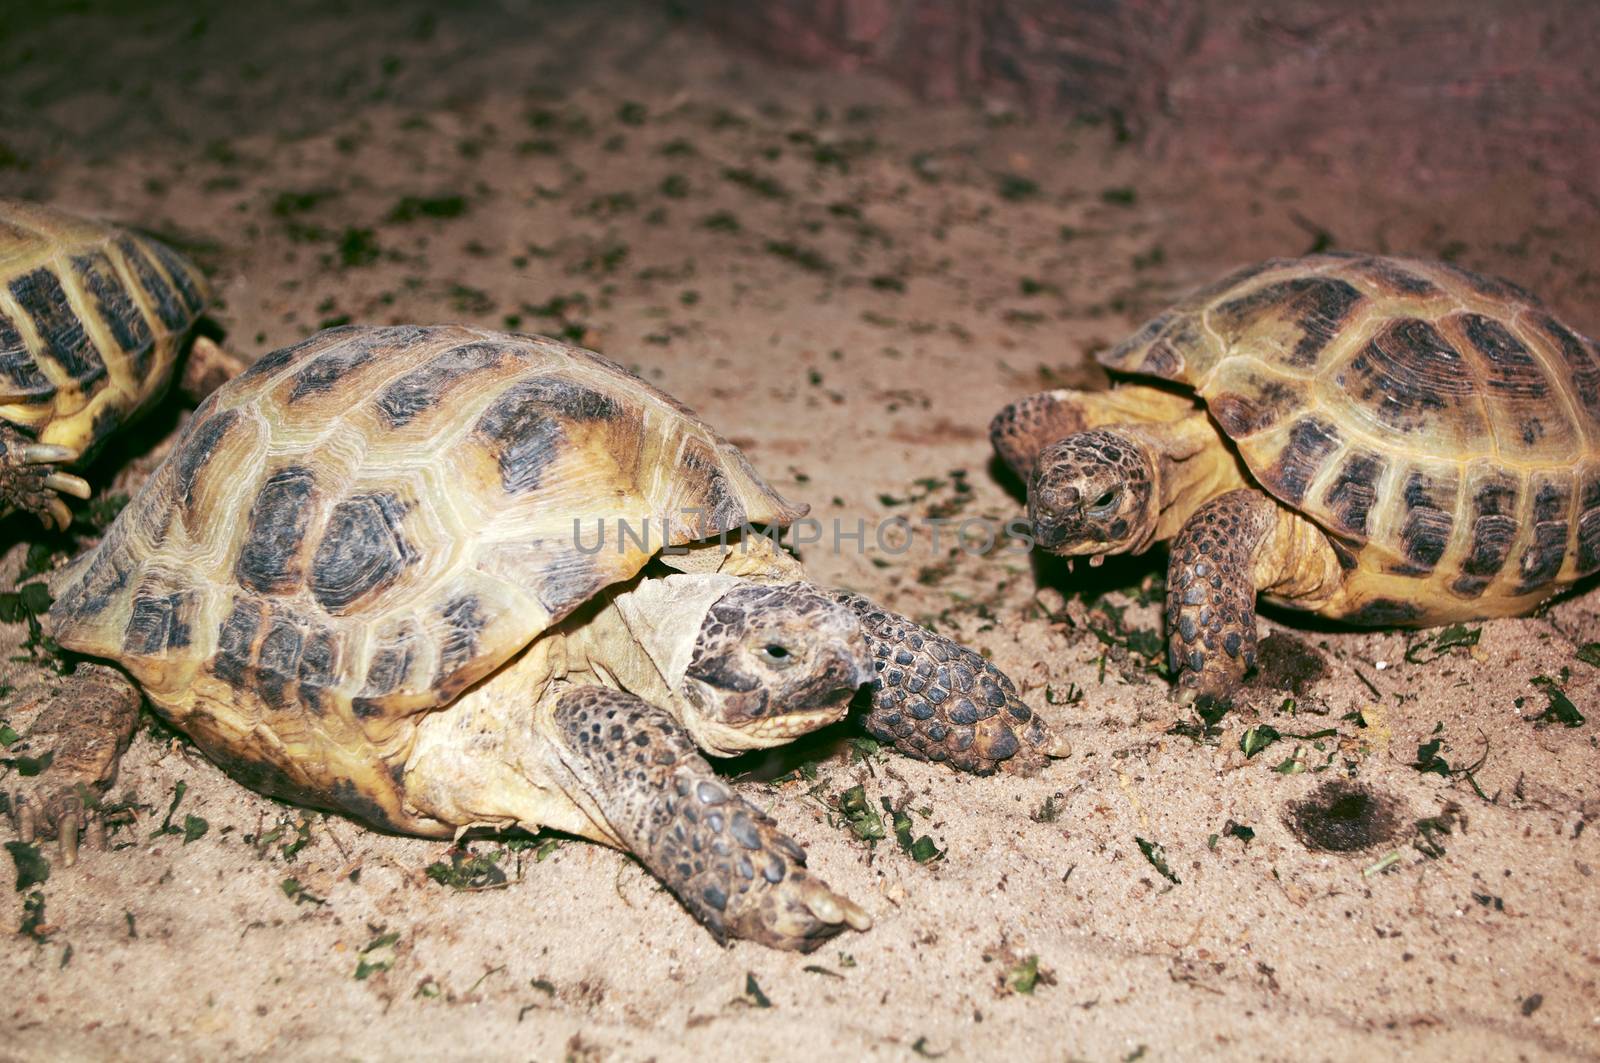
{"points": [[67, 838]]}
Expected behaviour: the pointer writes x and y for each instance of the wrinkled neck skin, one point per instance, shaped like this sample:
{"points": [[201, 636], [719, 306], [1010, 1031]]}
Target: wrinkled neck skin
{"points": [[1192, 465], [642, 641]]}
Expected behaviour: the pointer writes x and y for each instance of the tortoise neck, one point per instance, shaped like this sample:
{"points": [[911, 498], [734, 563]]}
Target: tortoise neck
{"points": [[1193, 465]]}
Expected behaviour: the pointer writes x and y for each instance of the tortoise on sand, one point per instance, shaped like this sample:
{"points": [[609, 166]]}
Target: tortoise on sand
{"points": [[1379, 440], [92, 320], [370, 577]]}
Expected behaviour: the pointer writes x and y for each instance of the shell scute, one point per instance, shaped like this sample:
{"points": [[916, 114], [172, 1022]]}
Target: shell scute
{"points": [[1444, 426]]}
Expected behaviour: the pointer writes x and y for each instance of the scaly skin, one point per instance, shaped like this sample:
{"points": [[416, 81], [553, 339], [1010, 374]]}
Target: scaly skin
{"points": [[935, 699], [85, 726], [723, 858], [1211, 594]]}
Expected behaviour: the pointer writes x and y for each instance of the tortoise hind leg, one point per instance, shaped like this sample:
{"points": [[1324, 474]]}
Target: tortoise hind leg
{"points": [[29, 480], [79, 735], [207, 367], [1237, 544], [724, 859]]}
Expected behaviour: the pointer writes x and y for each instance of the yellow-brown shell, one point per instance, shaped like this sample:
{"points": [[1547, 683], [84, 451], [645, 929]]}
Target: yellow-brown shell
{"points": [[90, 322], [365, 524], [1443, 426]]}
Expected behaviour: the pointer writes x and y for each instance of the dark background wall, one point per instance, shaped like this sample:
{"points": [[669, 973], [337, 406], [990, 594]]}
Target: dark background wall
{"points": [[1445, 85]]}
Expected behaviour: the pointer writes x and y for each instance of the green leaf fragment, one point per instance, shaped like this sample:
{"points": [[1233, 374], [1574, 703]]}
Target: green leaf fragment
{"points": [[1589, 653], [194, 828], [33, 925], [863, 819], [1561, 709], [8, 737], [378, 955], [1157, 856], [752, 989], [1024, 977], [1258, 738], [28, 767], [32, 869]]}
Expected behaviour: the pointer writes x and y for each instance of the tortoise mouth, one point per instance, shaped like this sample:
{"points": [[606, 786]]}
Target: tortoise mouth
{"points": [[795, 724]]}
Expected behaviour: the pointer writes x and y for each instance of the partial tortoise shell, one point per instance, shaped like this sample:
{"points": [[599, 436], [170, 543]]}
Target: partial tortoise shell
{"points": [[90, 318], [1446, 419], [363, 525]]}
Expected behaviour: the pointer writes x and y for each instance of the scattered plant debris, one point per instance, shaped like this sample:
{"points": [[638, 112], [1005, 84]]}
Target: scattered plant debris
{"points": [[1027, 976], [1157, 855], [377, 956], [32, 869], [1430, 647], [752, 989], [1561, 709], [33, 924], [468, 870]]}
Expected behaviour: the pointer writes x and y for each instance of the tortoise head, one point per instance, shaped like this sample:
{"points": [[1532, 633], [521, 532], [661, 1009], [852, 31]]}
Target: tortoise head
{"points": [[1093, 493], [771, 663]]}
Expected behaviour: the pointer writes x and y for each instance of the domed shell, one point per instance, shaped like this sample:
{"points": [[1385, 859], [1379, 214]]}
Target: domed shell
{"points": [[1444, 421], [363, 525], [90, 316]]}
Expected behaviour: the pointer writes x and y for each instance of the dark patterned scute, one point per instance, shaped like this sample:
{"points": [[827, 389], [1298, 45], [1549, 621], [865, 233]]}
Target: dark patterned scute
{"points": [[1512, 368], [116, 307], [1408, 372], [1542, 559], [401, 401], [235, 641], [158, 622], [1494, 528], [41, 296], [1430, 514], [327, 369], [182, 278], [19, 373], [388, 671], [278, 663], [1582, 361], [1351, 495], [525, 437], [361, 551], [169, 306], [199, 442], [1311, 440], [464, 620], [273, 361], [268, 560], [1589, 526], [1319, 307], [718, 505], [1385, 612]]}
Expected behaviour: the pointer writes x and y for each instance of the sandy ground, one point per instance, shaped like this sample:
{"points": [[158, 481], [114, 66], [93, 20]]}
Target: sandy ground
{"points": [[848, 285]]}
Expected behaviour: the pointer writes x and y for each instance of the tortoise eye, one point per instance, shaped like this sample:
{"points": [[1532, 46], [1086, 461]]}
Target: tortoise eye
{"points": [[774, 652], [1106, 499]]}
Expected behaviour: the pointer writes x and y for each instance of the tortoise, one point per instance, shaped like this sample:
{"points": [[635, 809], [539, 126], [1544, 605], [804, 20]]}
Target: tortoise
{"points": [[92, 321], [1384, 441], [438, 578]]}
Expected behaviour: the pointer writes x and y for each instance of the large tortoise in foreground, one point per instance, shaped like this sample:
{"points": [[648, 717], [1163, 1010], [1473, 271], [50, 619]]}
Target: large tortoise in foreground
{"points": [[93, 319], [384, 572], [1379, 440]]}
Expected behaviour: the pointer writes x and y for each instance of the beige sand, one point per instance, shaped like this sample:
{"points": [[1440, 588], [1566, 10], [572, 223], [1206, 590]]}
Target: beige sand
{"points": [[267, 141]]}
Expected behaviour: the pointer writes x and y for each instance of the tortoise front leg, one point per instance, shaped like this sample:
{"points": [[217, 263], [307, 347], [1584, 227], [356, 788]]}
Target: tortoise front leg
{"points": [[1234, 546], [29, 481], [723, 857], [935, 699], [82, 730]]}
